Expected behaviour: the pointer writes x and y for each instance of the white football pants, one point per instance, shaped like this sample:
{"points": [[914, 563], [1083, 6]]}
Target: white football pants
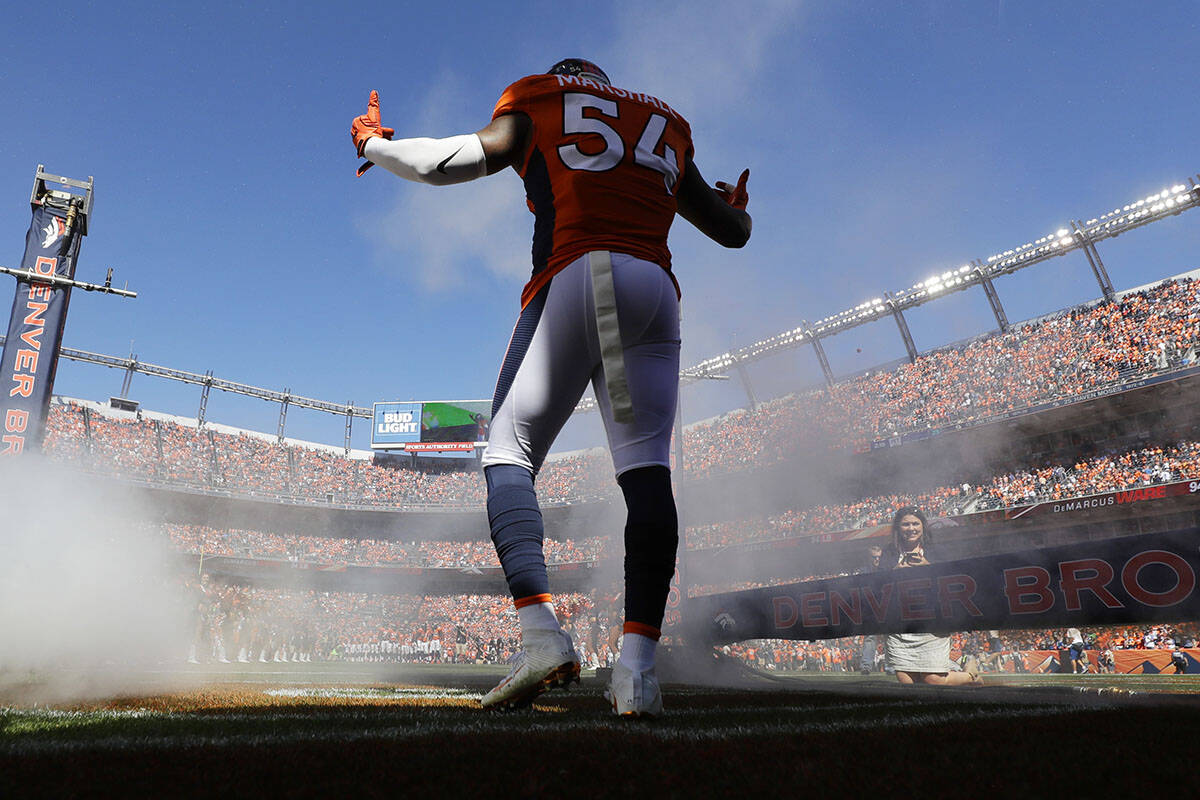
{"points": [[555, 351]]}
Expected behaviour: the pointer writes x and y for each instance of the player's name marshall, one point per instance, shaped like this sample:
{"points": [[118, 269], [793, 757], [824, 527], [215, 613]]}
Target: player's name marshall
{"points": [[588, 83]]}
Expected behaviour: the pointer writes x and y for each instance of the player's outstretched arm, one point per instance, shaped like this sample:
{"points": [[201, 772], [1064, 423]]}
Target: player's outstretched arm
{"points": [[454, 159], [717, 213], [436, 161]]}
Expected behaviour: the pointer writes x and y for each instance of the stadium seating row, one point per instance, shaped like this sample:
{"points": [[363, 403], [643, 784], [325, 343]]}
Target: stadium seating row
{"points": [[1062, 355], [274, 624], [257, 624], [845, 655], [323, 549], [1103, 473], [1059, 356]]}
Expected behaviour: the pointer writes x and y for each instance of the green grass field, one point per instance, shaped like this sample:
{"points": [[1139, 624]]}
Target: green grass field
{"points": [[328, 730]]}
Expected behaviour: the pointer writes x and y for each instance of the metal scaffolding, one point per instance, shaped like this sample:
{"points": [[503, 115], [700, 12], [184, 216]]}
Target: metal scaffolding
{"points": [[905, 334], [981, 272], [1083, 236]]}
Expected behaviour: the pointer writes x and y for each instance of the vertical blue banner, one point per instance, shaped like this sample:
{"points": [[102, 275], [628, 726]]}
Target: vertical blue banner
{"points": [[35, 329]]}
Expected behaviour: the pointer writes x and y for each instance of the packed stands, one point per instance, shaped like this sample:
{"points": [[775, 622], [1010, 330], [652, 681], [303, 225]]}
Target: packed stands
{"points": [[211, 541], [243, 623], [844, 655], [1107, 472], [1104, 473], [174, 453], [239, 623], [1062, 355]]}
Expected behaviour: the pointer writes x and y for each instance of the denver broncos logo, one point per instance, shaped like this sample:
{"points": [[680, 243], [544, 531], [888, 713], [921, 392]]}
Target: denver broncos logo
{"points": [[53, 231]]}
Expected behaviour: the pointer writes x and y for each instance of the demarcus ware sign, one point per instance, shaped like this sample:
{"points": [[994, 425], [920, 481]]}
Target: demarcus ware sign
{"points": [[1131, 579]]}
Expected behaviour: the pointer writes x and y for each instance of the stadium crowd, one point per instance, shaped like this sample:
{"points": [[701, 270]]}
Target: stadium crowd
{"points": [[212, 541], [244, 623], [1104, 473], [844, 655], [1063, 355], [1059, 356], [175, 453], [1107, 472]]}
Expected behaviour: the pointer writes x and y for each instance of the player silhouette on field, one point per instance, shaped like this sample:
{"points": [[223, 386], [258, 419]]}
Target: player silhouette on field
{"points": [[605, 171]]}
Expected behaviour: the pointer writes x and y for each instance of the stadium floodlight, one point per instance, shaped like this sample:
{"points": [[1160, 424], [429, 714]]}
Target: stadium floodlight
{"points": [[1163, 204], [1160, 205]]}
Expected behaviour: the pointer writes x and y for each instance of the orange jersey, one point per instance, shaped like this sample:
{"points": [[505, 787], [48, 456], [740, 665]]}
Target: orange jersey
{"points": [[601, 171]]}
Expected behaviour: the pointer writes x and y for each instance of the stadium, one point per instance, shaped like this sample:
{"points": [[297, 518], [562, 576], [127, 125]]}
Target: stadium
{"points": [[210, 585], [354, 585]]}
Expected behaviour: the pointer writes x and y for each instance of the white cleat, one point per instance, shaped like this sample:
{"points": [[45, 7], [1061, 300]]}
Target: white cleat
{"points": [[548, 660], [634, 694]]}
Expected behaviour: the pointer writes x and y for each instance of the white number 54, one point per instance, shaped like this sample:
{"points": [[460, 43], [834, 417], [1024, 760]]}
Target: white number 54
{"points": [[614, 148]]}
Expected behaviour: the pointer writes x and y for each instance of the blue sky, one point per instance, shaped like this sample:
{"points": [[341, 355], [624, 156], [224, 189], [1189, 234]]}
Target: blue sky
{"points": [[887, 142]]}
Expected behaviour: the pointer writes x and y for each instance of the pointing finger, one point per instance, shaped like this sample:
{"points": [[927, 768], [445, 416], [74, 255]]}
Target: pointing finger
{"points": [[373, 107]]}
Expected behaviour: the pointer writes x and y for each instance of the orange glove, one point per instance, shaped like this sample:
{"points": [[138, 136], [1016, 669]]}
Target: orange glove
{"points": [[366, 127], [736, 196]]}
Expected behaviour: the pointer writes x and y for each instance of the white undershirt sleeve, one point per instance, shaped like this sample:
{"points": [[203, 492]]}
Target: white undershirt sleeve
{"points": [[437, 161]]}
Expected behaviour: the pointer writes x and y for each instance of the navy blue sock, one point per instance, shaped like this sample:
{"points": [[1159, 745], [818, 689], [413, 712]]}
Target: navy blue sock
{"points": [[651, 539], [517, 531]]}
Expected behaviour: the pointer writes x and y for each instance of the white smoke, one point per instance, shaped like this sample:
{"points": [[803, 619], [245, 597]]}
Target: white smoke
{"points": [[87, 595]]}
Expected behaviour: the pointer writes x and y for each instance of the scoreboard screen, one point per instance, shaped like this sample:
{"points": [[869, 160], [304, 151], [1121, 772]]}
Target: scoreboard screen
{"points": [[455, 422], [431, 426]]}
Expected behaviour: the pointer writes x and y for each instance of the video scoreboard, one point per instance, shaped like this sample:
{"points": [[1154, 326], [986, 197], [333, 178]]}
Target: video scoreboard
{"points": [[433, 426]]}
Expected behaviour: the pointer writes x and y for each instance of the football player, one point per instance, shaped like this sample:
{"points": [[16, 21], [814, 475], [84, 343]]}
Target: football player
{"points": [[606, 170]]}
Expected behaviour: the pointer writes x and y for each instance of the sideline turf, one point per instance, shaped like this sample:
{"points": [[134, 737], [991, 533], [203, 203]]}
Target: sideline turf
{"points": [[812, 734]]}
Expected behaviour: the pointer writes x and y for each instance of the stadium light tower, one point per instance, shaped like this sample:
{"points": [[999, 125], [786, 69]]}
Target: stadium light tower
{"points": [[905, 333], [993, 296], [207, 384], [127, 381], [1083, 236], [1093, 257], [744, 377], [349, 423], [283, 407], [822, 359]]}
